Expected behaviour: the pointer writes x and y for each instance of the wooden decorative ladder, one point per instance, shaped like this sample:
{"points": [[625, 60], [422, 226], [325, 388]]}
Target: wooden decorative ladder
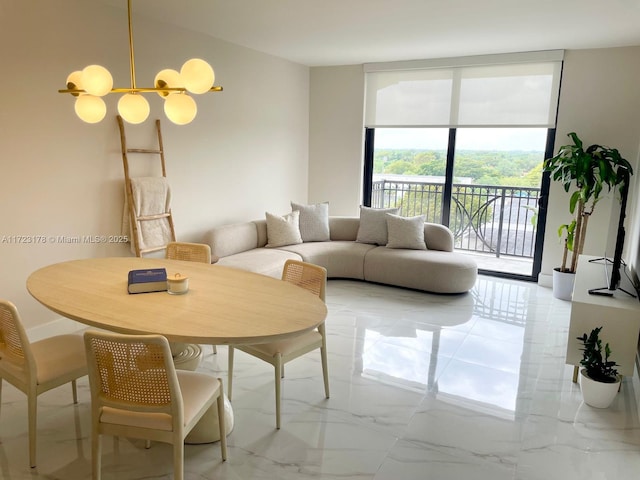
{"points": [[136, 221]]}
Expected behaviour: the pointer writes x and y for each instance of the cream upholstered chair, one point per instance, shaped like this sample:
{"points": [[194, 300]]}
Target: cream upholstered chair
{"points": [[310, 277], [190, 252], [137, 392], [37, 367]]}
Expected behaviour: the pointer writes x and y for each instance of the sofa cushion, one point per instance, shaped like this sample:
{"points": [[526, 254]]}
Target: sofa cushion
{"points": [[283, 230], [405, 232], [428, 270], [373, 225], [344, 228], [233, 238], [314, 221], [342, 259], [266, 261]]}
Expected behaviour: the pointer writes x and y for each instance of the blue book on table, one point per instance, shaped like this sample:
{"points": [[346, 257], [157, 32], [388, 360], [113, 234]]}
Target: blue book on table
{"points": [[147, 280]]}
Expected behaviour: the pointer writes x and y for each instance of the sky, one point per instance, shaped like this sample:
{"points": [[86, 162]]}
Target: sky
{"points": [[528, 139]]}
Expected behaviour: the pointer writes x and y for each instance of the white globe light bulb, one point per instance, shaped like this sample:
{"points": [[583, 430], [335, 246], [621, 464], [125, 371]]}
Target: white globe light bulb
{"points": [[90, 109], [96, 80], [133, 108], [198, 76], [74, 81], [168, 78], [180, 109]]}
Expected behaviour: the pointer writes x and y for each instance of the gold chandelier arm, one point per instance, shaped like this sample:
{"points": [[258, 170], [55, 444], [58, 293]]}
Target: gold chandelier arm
{"points": [[141, 90]]}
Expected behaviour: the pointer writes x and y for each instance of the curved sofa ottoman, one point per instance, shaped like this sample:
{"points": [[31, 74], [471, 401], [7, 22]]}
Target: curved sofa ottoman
{"points": [[438, 269], [431, 270]]}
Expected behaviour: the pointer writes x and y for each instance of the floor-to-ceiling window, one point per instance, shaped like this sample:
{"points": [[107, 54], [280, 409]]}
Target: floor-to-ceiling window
{"points": [[464, 145]]}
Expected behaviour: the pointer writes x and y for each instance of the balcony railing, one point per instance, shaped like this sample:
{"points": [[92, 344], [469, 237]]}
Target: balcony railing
{"points": [[484, 218]]}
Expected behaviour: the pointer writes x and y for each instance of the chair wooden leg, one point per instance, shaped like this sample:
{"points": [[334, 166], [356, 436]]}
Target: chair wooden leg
{"points": [[96, 454], [278, 371], [178, 459], [33, 421], [215, 349], [74, 390], [230, 373], [323, 355], [0, 392], [325, 371], [221, 424]]}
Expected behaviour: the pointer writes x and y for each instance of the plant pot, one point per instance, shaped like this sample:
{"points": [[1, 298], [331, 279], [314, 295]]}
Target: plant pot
{"points": [[598, 394], [563, 284]]}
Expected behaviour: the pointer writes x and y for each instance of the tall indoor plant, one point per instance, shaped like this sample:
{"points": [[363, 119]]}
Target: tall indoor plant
{"points": [[584, 172]]}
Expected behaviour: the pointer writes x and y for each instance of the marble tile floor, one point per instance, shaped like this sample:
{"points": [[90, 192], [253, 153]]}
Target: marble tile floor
{"points": [[422, 387]]}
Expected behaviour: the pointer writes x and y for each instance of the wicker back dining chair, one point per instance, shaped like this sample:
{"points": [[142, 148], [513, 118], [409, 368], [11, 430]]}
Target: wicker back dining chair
{"points": [[190, 252], [310, 277], [35, 368], [137, 392]]}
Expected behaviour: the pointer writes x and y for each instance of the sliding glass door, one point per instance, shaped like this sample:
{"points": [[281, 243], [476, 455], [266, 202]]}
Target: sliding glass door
{"points": [[486, 184]]}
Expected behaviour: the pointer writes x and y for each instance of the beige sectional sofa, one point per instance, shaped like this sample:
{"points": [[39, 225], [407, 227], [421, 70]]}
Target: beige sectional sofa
{"points": [[435, 269]]}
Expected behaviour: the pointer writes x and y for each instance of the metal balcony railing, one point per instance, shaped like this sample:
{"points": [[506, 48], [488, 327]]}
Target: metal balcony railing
{"points": [[484, 218]]}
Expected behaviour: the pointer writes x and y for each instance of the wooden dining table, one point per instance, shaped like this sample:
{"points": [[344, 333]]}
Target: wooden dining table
{"points": [[222, 306]]}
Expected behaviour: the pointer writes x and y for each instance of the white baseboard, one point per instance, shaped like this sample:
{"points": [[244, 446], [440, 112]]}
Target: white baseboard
{"points": [[545, 280]]}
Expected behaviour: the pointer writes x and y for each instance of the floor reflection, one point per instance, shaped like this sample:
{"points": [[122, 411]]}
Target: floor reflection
{"points": [[470, 349]]}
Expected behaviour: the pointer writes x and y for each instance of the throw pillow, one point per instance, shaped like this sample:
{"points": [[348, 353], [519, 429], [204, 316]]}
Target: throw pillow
{"points": [[283, 230], [314, 221], [373, 225], [406, 232]]}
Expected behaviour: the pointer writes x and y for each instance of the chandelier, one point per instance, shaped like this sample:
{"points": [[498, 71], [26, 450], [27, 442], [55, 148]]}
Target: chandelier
{"points": [[94, 82]]}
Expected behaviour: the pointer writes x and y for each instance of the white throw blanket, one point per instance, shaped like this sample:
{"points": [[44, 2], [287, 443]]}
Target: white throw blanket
{"points": [[151, 196]]}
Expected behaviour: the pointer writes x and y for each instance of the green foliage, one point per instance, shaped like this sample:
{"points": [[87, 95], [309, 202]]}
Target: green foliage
{"points": [[598, 368], [414, 202], [534, 214], [570, 229], [501, 168], [586, 172], [401, 167]]}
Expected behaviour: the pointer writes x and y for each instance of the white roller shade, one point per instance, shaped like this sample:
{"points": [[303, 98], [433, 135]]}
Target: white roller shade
{"points": [[521, 94], [409, 98]]}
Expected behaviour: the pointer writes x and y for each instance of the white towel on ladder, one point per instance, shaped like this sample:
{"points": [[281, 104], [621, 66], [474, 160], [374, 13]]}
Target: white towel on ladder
{"points": [[151, 196]]}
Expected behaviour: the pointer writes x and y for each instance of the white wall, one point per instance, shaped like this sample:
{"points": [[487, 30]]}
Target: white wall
{"points": [[336, 140], [246, 151], [600, 99]]}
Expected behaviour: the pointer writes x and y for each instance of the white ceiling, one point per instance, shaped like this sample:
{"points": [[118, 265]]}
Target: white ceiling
{"points": [[342, 32]]}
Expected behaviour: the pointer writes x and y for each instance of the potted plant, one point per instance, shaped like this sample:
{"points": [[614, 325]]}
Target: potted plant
{"points": [[585, 172], [563, 277], [599, 379]]}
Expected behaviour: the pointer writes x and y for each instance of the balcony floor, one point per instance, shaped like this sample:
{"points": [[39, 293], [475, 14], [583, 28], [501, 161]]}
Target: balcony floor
{"points": [[515, 265]]}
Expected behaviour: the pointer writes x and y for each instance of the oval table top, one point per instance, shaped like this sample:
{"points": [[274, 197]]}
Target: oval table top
{"points": [[223, 305]]}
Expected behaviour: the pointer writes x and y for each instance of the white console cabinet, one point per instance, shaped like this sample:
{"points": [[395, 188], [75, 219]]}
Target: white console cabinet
{"points": [[619, 316]]}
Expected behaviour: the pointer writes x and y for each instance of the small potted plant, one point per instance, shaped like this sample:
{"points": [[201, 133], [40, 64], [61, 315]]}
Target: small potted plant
{"points": [[599, 379], [586, 173]]}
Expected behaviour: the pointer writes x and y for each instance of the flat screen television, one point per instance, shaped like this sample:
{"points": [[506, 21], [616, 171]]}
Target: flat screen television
{"points": [[614, 265]]}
